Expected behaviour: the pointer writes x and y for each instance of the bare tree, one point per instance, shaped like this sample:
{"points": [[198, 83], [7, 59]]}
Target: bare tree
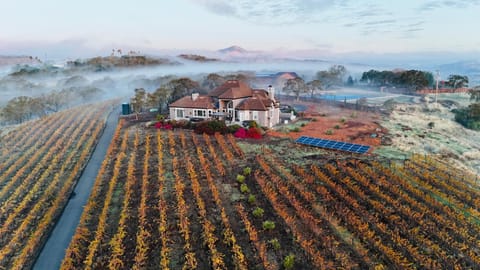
{"points": [[297, 86], [313, 86]]}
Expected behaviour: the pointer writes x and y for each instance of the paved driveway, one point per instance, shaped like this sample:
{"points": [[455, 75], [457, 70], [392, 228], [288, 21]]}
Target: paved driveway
{"points": [[53, 252]]}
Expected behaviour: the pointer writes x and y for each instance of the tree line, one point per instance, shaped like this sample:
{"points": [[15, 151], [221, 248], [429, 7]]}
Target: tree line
{"points": [[177, 88], [411, 79], [23, 108], [324, 79], [469, 117]]}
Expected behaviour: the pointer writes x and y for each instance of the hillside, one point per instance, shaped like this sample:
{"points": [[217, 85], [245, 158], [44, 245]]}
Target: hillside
{"points": [[426, 128], [16, 60], [105, 63], [197, 58]]}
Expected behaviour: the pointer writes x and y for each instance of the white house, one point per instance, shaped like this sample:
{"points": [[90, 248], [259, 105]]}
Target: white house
{"points": [[233, 101]]}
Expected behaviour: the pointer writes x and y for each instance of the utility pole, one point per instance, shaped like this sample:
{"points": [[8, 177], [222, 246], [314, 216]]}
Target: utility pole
{"points": [[437, 77]]}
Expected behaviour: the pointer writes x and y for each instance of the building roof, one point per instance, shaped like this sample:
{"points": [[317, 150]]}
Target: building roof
{"points": [[231, 89], [252, 104], [201, 102], [258, 102]]}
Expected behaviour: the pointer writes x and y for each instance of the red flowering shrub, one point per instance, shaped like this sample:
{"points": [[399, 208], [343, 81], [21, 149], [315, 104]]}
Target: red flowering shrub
{"points": [[252, 132], [240, 133], [160, 125]]}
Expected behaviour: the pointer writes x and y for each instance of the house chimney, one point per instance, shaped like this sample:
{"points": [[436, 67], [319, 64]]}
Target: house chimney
{"points": [[271, 92], [194, 96]]}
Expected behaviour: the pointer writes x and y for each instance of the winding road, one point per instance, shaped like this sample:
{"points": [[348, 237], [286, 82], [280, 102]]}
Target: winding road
{"points": [[53, 252]]}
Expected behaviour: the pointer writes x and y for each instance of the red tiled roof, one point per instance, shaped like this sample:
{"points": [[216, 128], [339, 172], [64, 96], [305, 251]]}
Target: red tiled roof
{"points": [[258, 102], [231, 89], [201, 102], [252, 104], [261, 93]]}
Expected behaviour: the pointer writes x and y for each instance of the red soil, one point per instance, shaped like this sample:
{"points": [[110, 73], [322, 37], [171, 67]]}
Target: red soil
{"points": [[357, 127]]}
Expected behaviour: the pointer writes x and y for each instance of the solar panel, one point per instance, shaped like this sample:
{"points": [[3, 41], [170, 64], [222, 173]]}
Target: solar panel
{"points": [[335, 145]]}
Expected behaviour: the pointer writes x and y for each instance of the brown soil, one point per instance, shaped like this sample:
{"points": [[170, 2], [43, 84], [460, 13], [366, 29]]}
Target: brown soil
{"points": [[356, 127]]}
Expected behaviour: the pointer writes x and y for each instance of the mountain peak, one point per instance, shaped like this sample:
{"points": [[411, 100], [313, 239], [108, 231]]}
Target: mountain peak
{"points": [[233, 49]]}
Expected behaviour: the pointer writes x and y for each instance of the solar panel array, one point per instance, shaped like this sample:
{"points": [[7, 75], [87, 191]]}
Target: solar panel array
{"points": [[335, 145]]}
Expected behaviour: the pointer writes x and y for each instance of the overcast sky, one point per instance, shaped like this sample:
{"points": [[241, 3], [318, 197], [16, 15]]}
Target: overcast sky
{"points": [[323, 26]]}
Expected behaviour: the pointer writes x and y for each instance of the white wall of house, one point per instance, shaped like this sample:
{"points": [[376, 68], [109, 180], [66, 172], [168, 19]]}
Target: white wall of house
{"points": [[186, 113], [263, 118]]}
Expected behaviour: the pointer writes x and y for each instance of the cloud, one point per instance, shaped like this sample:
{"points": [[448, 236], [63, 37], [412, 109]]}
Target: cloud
{"points": [[380, 22], [268, 12], [436, 4], [218, 7], [414, 29]]}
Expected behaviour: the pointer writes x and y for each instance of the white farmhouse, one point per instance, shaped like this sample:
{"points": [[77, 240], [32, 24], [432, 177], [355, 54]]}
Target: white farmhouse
{"points": [[233, 101]]}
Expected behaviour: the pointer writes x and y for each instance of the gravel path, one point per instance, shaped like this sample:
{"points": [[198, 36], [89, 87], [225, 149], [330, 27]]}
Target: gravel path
{"points": [[53, 252]]}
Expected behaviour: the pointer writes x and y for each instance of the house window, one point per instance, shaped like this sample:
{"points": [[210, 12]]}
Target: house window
{"points": [[199, 113], [179, 113]]}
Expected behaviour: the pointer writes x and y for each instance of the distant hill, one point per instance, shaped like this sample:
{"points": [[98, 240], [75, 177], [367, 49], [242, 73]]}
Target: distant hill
{"points": [[105, 63], [15, 60], [233, 50], [468, 68], [197, 58]]}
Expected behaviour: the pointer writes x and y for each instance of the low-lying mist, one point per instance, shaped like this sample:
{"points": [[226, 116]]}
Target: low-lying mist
{"points": [[121, 82]]}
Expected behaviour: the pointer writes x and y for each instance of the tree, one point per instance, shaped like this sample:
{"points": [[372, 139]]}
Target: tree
{"points": [[212, 81], [333, 76], [244, 77], [56, 100], [313, 86], [297, 86], [457, 81], [161, 95], [18, 109], [416, 79], [475, 94], [139, 101], [181, 87], [350, 81]]}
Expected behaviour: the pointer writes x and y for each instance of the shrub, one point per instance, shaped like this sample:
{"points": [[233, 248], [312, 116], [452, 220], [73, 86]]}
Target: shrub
{"points": [[303, 124], [255, 133], [240, 178], [244, 188], [251, 199], [233, 128], [247, 171], [268, 225], [343, 120], [314, 119], [336, 127], [431, 125], [329, 132], [296, 129], [275, 243], [353, 115], [210, 127], [289, 261], [240, 133], [258, 212]]}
